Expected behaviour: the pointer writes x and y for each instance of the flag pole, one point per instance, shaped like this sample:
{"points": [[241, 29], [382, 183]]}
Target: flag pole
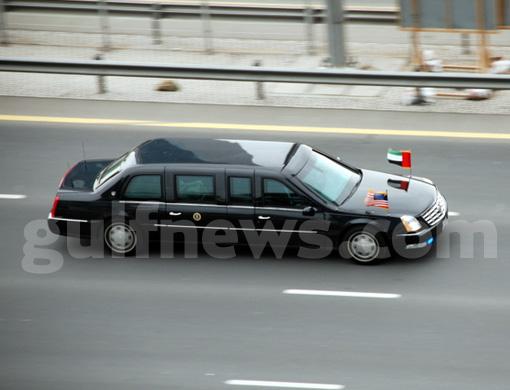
{"points": [[410, 165], [410, 178], [410, 170]]}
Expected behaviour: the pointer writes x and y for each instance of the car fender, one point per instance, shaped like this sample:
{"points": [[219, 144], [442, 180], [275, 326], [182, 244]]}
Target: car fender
{"points": [[381, 225]]}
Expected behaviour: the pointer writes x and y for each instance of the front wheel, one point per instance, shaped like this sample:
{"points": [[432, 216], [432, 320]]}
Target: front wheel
{"points": [[120, 238], [363, 246]]}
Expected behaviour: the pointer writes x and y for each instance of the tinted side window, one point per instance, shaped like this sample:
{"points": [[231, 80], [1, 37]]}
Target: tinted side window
{"points": [[277, 194], [240, 190], [144, 187], [195, 189]]}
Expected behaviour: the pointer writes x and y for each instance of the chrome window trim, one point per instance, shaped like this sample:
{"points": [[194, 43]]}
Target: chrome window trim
{"points": [[197, 204], [276, 230], [234, 228], [278, 208], [141, 201], [191, 227], [209, 205], [169, 203]]}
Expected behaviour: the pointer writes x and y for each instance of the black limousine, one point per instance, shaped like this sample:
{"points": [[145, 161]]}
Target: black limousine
{"points": [[211, 187]]}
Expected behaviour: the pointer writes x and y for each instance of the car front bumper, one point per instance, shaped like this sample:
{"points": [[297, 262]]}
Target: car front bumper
{"points": [[425, 237]]}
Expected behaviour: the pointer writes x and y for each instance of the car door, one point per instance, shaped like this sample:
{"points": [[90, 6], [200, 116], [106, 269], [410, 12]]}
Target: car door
{"points": [[142, 200], [195, 201], [240, 186], [281, 208]]}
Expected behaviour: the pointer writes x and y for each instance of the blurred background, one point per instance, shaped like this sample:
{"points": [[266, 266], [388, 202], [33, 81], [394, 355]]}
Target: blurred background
{"points": [[83, 79], [382, 35]]}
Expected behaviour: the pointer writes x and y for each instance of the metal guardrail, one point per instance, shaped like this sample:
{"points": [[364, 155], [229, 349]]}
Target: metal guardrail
{"points": [[259, 74], [283, 12]]}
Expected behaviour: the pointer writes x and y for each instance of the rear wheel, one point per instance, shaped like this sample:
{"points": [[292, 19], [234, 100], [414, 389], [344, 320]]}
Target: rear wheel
{"points": [[363, 246], [120, 238]]}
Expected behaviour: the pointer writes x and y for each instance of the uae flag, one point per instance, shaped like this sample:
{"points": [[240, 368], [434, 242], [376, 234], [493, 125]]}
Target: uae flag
{"points": [[400, 157], [399, 184]]}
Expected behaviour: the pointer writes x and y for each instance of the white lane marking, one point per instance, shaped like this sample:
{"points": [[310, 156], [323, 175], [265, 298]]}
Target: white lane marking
{"points": [[330, 293], [453, 213], [293, 385], [12, 196]]}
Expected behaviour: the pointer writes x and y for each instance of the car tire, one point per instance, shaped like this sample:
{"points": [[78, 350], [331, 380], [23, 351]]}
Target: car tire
{"points": [[120, 238], [364, 246]]}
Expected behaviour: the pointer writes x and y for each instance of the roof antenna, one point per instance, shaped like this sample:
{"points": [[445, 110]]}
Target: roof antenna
{"points": [[84, 156]]}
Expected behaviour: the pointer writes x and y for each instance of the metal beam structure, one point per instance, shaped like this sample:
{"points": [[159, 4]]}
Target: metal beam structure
{"points": [[281, 12], [336, 33], [105, 24], [261, 74], [4, 39]]}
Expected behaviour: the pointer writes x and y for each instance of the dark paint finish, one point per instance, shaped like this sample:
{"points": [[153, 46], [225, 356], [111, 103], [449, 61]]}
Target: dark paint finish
{"points": [[225, 158], [213, 151], [419, 196]]}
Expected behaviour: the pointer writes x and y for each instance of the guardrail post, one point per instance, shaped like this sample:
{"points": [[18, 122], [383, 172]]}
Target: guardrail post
{"points": [[4, 37], [259, 86], [336, 35], [156, 24], [465, 43], [101, 82], [105, 25], [205, 15], [309, 24]]}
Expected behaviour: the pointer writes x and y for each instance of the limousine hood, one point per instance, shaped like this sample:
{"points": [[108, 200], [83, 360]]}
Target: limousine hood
{"points": [[420, 195]]}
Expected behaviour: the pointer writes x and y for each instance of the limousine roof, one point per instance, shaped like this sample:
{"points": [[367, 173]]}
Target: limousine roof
{"points": [[213, 151]]}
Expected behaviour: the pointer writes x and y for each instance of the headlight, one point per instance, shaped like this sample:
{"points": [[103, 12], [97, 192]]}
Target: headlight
{"points": [[410, 223]]}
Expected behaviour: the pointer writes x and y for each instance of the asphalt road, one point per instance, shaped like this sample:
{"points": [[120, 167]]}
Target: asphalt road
{"points": [[196, 323]]}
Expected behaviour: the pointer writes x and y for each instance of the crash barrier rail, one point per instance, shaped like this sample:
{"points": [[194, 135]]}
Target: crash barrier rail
{"points": [[308, 13], [168, 9], [258, 74]]}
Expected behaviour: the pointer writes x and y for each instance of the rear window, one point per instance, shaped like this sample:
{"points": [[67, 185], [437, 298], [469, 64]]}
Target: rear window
{"points": [[195, 189], [114, 168]]}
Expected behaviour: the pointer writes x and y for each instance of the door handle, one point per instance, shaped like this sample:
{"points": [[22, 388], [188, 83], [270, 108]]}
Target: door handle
{"points": [[264, 217], [175, 213]]}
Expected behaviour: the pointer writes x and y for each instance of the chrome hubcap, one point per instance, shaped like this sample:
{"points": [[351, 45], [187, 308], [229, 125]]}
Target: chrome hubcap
{"points": [[363, 246], [120, 237]]}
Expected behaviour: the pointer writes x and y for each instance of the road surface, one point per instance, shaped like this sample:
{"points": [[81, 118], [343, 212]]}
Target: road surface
{"points": [[200, 323]]}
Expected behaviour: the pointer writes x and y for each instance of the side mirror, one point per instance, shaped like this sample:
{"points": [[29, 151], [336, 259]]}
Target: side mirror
{"points": [[309, 211]]}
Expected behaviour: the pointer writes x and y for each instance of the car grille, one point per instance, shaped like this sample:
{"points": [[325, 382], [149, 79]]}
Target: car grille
{"points": [[436, 212]]}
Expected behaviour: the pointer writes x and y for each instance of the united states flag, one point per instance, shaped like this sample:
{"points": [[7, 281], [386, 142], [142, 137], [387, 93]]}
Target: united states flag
{"points": [[377, 199]]}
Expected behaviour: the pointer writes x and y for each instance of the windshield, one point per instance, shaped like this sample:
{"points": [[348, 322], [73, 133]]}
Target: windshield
{"points": [[124, 161], [327, 178]]}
